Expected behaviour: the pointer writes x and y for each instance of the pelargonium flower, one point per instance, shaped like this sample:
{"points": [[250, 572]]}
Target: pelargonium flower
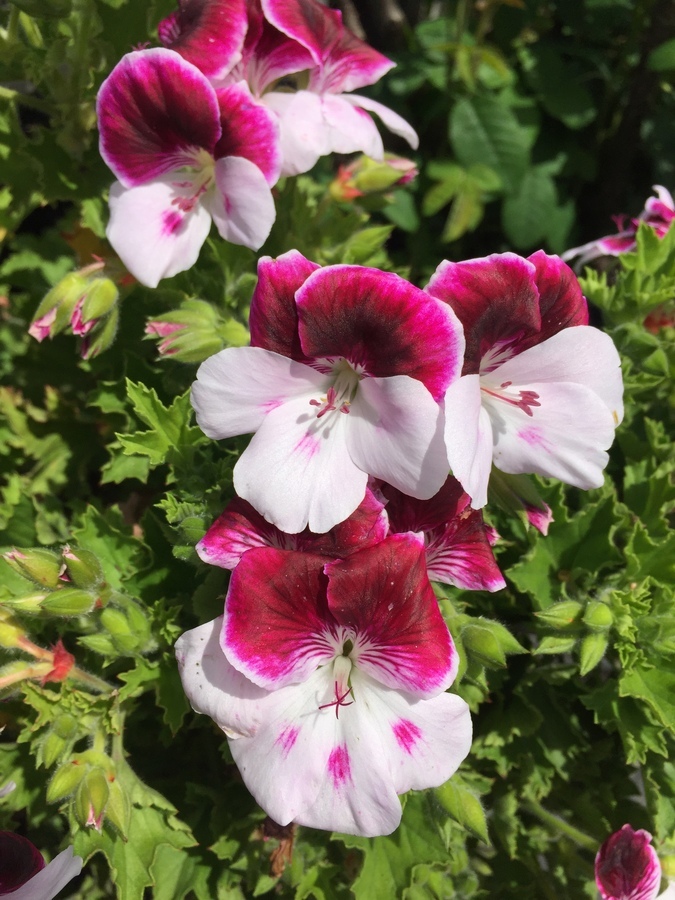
{"points": [[658, 213], [184, 154], [457, 542], [24, 875], [326, 117], [343, 380], [330, 685], [241, 528], [627, 867], [541, 390]]}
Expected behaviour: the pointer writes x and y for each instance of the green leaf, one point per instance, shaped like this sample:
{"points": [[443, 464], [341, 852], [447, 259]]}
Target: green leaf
{"points": [[662, 58], [388, 861], [526, 215], [655, 687]]}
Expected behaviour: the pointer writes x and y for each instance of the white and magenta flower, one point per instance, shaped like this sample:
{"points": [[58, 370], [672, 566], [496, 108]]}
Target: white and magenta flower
{"points": [[325, 117], [343, 380], [658, 213], [541, 390], [184, 154], [240, 528], [330, 684], [24, 875], [627, 867], [457, 542]]}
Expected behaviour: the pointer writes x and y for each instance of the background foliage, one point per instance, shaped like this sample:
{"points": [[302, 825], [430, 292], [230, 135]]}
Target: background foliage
{"points": [[537, 121]]}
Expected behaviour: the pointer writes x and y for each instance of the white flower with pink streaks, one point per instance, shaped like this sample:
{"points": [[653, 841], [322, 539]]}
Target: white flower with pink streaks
{"points": [[24, 875], [541, 391], [329, 679], [343, 380], [184, 154], [627, 867]]}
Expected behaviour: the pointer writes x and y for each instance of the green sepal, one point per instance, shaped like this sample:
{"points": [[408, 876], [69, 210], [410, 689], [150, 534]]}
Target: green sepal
{"points": [[40, 566], [101, 296], [598, 616], [591, 651], [553, 643], [66, 780], [562, 614], [83, 568], [69, 602], [464, 807]]}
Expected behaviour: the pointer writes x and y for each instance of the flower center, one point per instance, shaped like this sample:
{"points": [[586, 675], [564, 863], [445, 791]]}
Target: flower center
{"points": [[341, 393], [198, 180], [342, 667], [524, 400]]}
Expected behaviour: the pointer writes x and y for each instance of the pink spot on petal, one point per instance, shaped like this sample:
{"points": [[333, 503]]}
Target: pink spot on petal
{"points": [[534, 438], [171, 222], [287, 738], [308, 446], [407, 734], [338, 766]]}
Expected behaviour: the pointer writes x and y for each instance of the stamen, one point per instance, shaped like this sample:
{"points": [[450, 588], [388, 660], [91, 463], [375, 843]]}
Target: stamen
{"points": [[339, 700], [524, 400]]}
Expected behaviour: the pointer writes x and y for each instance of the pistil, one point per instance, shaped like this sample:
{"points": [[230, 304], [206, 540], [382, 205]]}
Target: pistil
{"points": [[522, 399]]}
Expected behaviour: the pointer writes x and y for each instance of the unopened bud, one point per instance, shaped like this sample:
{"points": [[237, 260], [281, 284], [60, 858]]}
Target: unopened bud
{"points": [[53, 314], [52, 748], [464, 808], [69, 602], [11, 633], [100, 298], [117, 624], [28, 603], [552, 644], [101, 337], [66, 780], [41, 566], [118, 810], [92, 798], [561, 614], [83, 568], [481, 643], [517, 494], [370, 176], [195, 331], [591, 651], [598, 616]]}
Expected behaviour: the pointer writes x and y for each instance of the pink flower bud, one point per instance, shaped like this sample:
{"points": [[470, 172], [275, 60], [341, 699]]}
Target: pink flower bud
{"points": [[627, 867]]}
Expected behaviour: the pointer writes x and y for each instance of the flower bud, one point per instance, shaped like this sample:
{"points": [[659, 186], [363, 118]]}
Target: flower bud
{"points": [[117, 624], [53, 746], [101, 337], [195, 331], [591, 651], [559, 615], [28, 603], [11, 633], [66, 780], [553, 643], [367, 176], [91, 798], [69, 602], [464, 808], [83, 568], [53, 314], [517, 494], [41, 566], [598, 616], [482, 643], [118, 810], [627, 866]]}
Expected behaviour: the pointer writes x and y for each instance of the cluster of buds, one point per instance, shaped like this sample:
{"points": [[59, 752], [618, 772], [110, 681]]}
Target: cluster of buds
{"points": [[195, 331], [85, 303], [365, 176], [70, 583], [89, 780], [588, 624]]}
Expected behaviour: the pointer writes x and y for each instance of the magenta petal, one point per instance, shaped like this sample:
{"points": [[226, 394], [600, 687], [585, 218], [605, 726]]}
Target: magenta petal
{"points": [[367, 526], [307, 22], [627, 867], [277, 626], [383, 594], [155, 112], [352, 64], [249, 130], [238, 529], [409, 514], [273, 320], [495, 298], [272, 56], [207, 33], [561, 302], [20, 861], [380, 323]]}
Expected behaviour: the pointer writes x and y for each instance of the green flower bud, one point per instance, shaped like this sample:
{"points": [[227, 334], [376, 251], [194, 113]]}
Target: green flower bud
{"points": [[65, 725], [41, 566], [65, 780], [554, 644], [83, 568], [53, 314], [100, 298], [117, 624], [69, 602], [101, 337], [562, 614], [52, 748], [464, 808], [29, 603], [118, 810], [480, 642], [91, 799], [11, 633], [598, 616], [592, 649]]}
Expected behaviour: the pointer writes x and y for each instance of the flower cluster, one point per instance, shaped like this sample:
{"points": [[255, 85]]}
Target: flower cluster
{"points": [[329, 667], [199, 130]]}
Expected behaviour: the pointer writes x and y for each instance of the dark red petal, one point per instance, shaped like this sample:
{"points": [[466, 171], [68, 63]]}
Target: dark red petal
{"points": [[273, 319], [409, 514], [19, 861], [155, 111], [384, 595], [381, 323], [367, 526], [495, 298], [275, 615], [561, 303], [249, 130], [208, 33]]}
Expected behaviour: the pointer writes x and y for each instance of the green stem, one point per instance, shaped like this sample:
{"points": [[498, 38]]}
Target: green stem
{"points": [[92, 681], [13, 25], [556, 824]]}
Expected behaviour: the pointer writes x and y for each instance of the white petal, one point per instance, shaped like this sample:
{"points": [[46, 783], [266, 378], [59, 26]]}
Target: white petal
{"points": [[468, 438], [237, 387], [297, 470], [303, 132], [396, 433], [395, 123], [350, 129], [213, 686], [150, 234], [242, 205], [579, 354], [47, 883], [565, 437]]}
